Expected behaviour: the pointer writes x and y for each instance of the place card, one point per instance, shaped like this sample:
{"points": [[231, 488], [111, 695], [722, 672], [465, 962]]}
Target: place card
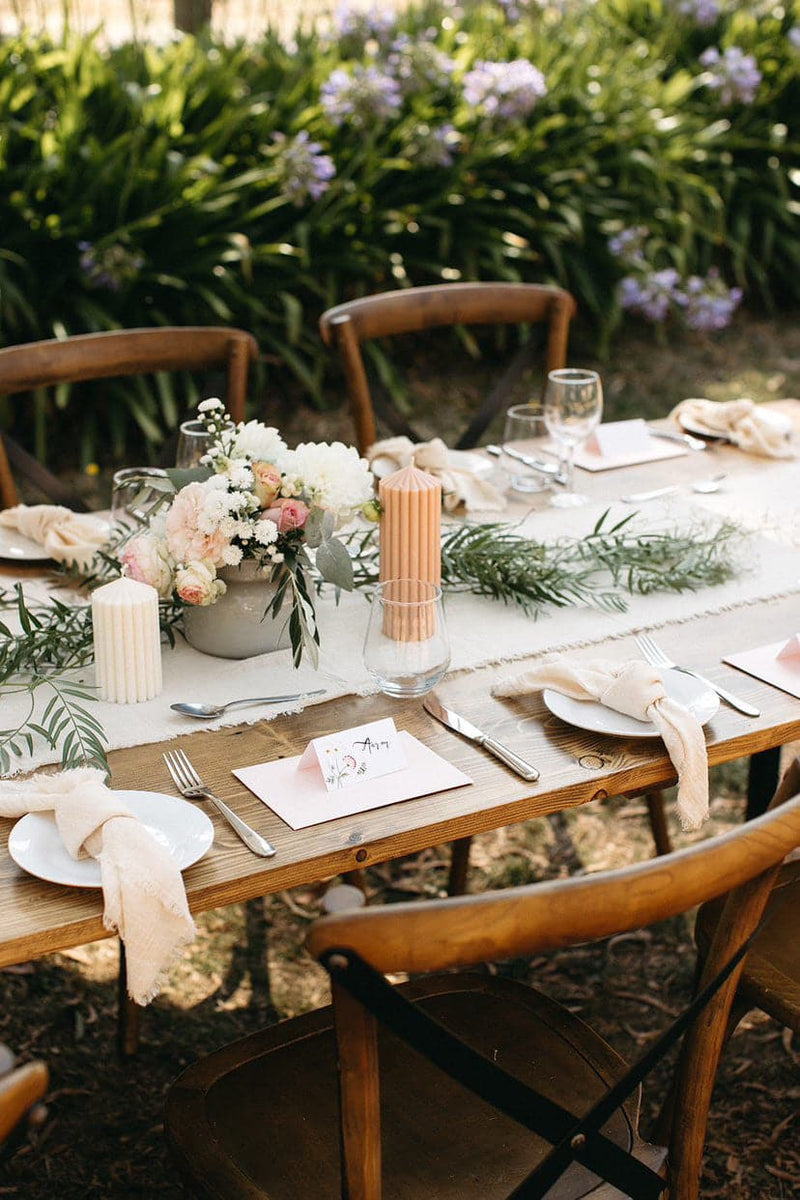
{"points": [[777, 663], [623, 444], [355, 755], [300, 797]]}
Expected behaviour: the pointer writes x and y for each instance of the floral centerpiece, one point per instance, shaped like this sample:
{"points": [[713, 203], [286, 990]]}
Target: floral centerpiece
{"points": [[253, 500]]}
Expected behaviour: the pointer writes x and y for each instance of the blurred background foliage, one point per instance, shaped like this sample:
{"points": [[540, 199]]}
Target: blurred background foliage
{"points": [[147, 184]]}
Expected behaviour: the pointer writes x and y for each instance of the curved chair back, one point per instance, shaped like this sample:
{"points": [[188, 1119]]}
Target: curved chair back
{"points": [[491, 926], [414, 309], [115, 354]]}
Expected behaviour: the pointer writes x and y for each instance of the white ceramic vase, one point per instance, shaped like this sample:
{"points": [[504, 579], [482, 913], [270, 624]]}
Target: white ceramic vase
{"points": [[235, 625]]}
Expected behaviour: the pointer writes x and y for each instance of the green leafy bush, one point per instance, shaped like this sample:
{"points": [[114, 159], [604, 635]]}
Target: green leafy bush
{"points": [[254, 185]]}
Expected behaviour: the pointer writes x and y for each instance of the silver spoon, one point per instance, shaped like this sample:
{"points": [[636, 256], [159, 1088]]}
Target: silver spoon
{"points": [[204, 711], [704, 486]]}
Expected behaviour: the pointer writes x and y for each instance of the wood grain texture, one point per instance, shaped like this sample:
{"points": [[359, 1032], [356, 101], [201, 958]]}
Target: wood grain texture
{"points": [[576, 768]]}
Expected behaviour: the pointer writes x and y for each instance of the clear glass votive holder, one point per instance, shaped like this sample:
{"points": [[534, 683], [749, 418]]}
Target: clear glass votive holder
{"points": [[406, 648], [137, 494], [525, 436]]}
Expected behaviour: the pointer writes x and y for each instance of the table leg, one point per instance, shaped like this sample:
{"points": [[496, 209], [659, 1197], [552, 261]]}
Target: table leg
{"points": [[128, 1012], [459, 866], [762, 781]]}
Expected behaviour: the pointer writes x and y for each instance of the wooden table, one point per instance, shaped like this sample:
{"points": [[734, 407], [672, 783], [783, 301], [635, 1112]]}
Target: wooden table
{"points": [[576, 768]]}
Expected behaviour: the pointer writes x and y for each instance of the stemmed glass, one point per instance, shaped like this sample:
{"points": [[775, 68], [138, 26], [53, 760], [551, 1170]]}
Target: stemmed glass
{"points": [[573, 406]]}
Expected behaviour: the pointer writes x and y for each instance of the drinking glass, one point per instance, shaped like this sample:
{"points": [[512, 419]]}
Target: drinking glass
{"points": [[193, 441], [406, 649], [525, 434], [137, 495], [573, 406]]}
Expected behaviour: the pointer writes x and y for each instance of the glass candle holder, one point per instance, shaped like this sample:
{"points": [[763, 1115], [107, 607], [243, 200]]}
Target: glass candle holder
{"points": [[406, 649]]}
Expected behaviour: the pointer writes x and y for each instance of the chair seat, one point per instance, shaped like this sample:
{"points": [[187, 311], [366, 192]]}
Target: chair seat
{"points": [[771, 976], [260, 1117]]}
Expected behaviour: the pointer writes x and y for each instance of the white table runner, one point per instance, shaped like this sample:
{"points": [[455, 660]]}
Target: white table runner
{"points": [[481, 630]]}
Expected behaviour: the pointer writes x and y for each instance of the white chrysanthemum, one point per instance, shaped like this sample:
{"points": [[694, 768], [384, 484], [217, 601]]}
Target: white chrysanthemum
{"points": [[240, 475], [265, 532], [259, 443], [210, 405], [332, 476], [232, 556]]}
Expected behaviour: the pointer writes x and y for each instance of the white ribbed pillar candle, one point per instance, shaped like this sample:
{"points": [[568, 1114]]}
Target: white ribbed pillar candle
{"points": [[127, 641]]}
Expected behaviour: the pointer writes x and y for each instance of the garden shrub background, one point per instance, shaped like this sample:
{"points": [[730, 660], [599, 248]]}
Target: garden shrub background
{"points": [[255, 185]]}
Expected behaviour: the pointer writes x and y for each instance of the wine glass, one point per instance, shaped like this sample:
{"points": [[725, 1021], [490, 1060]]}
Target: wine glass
{"points": [[193, 442], [573, 406], [406, 649], [524, 437]]}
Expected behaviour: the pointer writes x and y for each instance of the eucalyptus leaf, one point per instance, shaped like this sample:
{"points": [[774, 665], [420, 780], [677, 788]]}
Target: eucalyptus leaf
{"points": [[335, 565]]}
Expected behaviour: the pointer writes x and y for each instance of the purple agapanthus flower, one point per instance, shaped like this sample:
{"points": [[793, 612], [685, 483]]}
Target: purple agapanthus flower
{"points": [[651, 295], [435, 146], [419, 66], [306, 171], [734, 74], [628, 245], [352, 22], [363, 97], [708, 303], [504, 90], [794, 36], [109, 268], [702, 12]]}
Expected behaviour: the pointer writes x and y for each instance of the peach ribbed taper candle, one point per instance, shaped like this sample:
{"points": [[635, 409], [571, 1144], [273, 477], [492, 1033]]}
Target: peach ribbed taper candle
{"points": [[411, 538]]}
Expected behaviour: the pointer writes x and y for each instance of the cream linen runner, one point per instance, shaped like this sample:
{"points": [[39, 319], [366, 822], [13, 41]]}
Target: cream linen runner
{"points": [[636, 689], [145, 900]]}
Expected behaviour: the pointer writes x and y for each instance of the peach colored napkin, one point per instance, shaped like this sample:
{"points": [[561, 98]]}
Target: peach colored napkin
{"points": [[145, 900], [66, 536], [459, 485], [749, 427], [636, 689]]}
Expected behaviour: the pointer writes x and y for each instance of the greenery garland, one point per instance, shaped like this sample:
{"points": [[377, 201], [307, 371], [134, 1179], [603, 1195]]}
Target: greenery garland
{"points": [[491, 560]]}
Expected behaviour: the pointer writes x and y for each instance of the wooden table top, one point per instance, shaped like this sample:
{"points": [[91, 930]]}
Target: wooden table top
{"points": [[576, 768]]}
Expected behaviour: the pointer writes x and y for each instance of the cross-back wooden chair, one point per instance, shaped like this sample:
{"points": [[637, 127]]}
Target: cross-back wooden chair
{"points": [[110, 355], [411, 310], [260, 1118]]}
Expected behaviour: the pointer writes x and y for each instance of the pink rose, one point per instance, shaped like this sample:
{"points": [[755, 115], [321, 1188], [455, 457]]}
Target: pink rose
{"points": [[186, 541], [266, 483], [197, 583], [147, 560], [288, 515]]}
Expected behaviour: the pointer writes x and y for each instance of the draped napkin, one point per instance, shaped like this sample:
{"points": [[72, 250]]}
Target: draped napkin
{"points": [[636, 689], [459, 484], [66, 536], [748, 426], [145, 900]]}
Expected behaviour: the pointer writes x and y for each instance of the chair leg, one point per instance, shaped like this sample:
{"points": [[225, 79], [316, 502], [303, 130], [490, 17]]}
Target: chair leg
{"points": [[128, 1012], [658, 822], [459, 866]]}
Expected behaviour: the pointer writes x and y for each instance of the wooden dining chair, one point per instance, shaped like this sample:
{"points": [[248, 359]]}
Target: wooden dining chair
{"points": [[21, 1091], [411, 310], [114, 354], [457, 1086]]}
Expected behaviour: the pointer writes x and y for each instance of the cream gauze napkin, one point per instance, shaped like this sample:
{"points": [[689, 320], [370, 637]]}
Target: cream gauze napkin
{"points": [[636, 689], [750, 428], [459, 485], [66, 536], [145, 900]]}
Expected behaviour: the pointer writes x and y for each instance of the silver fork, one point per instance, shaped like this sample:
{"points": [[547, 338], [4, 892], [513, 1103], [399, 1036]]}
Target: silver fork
{"points": [[189, 783], [655, 655]]}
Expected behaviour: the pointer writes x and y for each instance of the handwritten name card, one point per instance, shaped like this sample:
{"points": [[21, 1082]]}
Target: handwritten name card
{"points": [[355, 755]]}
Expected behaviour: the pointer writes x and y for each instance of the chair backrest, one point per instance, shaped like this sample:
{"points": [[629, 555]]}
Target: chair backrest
{"points": [[114, 354], [411, 310], [440, 935]]}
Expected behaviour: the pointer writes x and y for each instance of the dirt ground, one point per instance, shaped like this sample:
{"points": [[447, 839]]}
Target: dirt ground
{"points": [[103, 1137]]}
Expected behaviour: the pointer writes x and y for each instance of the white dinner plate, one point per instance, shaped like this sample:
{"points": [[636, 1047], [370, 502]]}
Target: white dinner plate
{"points": [[700, 700], [17, 548], [35, 843]]}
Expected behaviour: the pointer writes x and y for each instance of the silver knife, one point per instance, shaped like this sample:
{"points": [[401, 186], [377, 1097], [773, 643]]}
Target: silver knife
{"points": [[468, 730], [536, 464]]}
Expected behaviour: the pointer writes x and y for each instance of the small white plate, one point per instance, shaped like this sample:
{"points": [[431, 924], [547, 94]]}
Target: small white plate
{"points": [[17, 548], [35, 843], [700, 700]]}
